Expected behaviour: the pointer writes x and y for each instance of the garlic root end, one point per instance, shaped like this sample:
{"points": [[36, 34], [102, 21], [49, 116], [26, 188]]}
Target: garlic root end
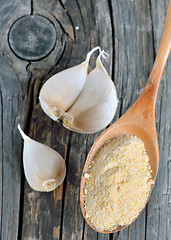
{"points": [[49, 185], [68, 120], [57, 112]]}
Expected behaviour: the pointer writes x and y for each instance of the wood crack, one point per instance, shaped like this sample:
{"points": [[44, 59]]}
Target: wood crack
{"points": [[121, 105], [65, 184], [83, 230], [62, 27], [146, 214], [21, 209], [29, 105], [27, 120], [32, 8], [152, 31], [113, 38], [65, 9], [61, 55], [116, 237]]}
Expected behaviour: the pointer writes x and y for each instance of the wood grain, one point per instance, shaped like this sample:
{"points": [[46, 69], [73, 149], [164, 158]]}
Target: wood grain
{"points": [[130, 32]]}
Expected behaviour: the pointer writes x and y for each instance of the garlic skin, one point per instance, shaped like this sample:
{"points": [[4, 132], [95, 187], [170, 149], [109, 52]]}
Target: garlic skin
{"points": [[96, 105], [44, 168], [60, 91]]}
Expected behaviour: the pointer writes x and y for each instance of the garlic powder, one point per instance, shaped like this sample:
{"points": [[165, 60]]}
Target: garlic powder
{"points": [[119, 183]]}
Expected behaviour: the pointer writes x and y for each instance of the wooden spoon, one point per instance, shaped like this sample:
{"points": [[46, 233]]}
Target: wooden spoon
{"points": [[139, 120]]}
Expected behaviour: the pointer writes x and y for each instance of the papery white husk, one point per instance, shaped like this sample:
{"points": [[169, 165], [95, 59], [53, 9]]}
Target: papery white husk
{"points": [[96, 105], [61, 90], [44, 167]]}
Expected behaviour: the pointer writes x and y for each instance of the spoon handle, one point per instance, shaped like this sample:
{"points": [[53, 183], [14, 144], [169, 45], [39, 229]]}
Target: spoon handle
{"points": [[153, 83]]}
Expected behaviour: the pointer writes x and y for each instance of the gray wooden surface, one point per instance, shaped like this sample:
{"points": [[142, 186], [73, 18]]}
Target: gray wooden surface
{"points": [[130, 32]]}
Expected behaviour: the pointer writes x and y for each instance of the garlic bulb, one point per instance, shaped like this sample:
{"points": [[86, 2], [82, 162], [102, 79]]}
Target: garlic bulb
{"points": [[44, 167], [96, 105], [84, 99], [61, 90]]}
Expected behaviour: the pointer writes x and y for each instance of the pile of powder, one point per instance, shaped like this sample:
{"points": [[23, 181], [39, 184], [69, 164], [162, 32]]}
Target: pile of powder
{"points": [[118, 183]]}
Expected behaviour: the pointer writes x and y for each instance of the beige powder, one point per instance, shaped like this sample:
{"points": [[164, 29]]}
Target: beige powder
{"points": [[118, 183]]}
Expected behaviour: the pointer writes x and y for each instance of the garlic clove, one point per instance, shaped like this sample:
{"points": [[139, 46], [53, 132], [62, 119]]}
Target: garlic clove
{"points": [[44, 168], [61, 90], [96, 105]]}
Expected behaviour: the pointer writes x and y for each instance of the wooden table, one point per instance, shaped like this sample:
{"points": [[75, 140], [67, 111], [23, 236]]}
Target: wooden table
{"points": [[39, 38]]}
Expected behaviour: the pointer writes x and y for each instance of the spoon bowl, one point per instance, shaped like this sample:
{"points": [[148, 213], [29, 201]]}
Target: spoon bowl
{"points": [[120, 127], [139, 120]]}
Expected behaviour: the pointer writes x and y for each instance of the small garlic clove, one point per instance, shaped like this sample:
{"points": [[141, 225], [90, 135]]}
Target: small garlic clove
{"points": [[61, 90], [96, 105], [44, 168]]}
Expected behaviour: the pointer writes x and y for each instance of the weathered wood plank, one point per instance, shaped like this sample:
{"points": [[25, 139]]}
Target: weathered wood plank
{"points": [[87, 18], [13, 103], [159, 207], [42, 211], [89, 233], [1, 177], [133, 62], [80, 25]]}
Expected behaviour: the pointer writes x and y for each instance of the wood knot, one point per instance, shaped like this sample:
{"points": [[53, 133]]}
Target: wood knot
{"points": [[32, 37]]}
